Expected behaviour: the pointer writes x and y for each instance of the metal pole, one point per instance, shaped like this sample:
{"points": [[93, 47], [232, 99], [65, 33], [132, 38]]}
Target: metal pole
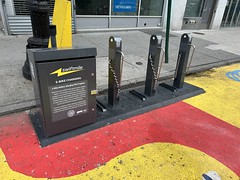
{"points": [[229, 9], [234, 14], [39, 13], [53, 32], [238, 19], [168, 30], [74, 15], [4, 16], [139, 11], [110, 15]]}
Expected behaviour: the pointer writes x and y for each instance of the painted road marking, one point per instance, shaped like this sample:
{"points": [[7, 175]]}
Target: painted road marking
{"points": [[222, 94], [150, 161], [178, 123], [7, 173], [187, 131], [160, 161], [234, 75]]}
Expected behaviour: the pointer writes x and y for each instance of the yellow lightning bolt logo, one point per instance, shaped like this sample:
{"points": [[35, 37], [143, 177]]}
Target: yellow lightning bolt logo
{"points": [[60, 73]]}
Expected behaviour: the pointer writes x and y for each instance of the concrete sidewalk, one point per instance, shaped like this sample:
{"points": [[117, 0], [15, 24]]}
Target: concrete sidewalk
{"points": [[213, 48]]}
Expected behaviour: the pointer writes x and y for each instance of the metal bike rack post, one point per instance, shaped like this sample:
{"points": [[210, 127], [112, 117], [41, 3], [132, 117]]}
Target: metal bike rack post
{"points": [[182, 61], [115, 65], [52, 33], [153, 65]]}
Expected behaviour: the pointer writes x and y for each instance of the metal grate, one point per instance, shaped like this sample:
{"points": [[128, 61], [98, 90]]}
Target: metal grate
{"points": [[22, 24], [21, 7]]}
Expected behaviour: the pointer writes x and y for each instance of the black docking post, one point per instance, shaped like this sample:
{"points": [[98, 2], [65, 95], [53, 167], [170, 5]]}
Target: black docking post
{"points": [[153, 65], [182, 61], [114, 69], [39, 13]]}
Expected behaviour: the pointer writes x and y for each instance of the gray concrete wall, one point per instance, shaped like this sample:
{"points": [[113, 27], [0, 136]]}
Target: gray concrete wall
{"points": [[178, 9], [2, 20], [10, 7], [218, 14]]}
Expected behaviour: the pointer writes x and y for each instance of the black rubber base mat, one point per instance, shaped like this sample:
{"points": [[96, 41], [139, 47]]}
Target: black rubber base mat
{"points": [[128, 106]]}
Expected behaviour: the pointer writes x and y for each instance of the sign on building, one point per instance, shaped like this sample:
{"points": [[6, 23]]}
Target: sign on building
{"points": [[125, 6]]}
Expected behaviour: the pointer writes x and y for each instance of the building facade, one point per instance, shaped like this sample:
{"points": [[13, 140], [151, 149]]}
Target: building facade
{"points": [[130, 14]]}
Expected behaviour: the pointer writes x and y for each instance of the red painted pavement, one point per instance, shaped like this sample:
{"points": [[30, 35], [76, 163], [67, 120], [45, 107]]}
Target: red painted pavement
{"points": [[178, 123]]}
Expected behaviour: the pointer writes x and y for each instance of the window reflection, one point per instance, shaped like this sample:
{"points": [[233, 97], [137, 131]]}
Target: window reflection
{"points": [[125, 8], [92, 7], [151, 7], [194, 8], [231, 15], [119, 7]]}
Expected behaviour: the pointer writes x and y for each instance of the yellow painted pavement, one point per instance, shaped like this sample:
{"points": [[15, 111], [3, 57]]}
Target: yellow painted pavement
{"points": [[166, 160], [6, 173], [151, 161], [222, 97], [160, 161], [62, 18]]}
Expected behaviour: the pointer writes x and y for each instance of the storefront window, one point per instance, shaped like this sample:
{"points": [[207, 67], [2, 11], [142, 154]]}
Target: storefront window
{"points": [[232, 14], [125, 7], [193, 8], [21, 7], [151, 7], [92, 7]]}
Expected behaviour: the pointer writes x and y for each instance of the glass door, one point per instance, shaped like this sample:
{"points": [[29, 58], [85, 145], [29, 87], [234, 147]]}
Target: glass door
{"points": [[231, 14], [92, 14], [198, 14], [193, 13], [150, 13], [206, 14], [124, 13]]}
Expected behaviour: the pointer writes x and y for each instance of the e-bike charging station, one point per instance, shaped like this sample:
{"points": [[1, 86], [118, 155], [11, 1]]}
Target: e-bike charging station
{"points": [[64, 83], [65, 88]]}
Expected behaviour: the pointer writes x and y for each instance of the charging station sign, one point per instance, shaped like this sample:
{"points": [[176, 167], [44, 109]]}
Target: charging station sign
{"points": [[63, 80]]}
